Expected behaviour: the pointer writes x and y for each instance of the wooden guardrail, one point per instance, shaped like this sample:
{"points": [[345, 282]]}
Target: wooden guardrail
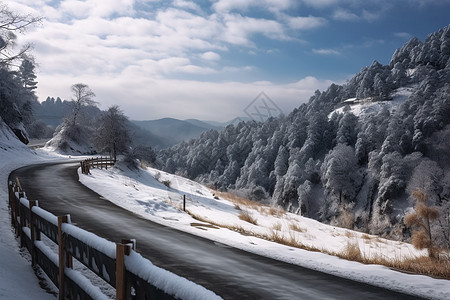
{"points": [[97, 162], [117, 264]]}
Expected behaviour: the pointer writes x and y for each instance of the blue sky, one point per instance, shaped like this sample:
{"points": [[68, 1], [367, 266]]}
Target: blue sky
{"points": [[210, 59]]}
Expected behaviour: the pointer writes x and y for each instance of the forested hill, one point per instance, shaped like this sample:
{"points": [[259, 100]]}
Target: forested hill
{"points": [[351, 163]]}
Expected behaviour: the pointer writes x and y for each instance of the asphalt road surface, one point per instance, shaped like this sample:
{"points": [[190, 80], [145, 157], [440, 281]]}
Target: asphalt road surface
{"points": [[229, 272]]}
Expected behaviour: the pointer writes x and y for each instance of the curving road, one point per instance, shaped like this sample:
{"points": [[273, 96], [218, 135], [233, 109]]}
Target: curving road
{"points": [[229, 272]]}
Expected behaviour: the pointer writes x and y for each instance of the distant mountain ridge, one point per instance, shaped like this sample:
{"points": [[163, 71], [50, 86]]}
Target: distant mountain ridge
{"points": [[159, 134], [170, 131]]}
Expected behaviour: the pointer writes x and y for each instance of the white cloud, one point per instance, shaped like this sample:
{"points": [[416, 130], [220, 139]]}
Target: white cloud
{"points": [[275, 6], [345, 15], [131, 59], [149, 98], [371, 15], [98, 8], [187, 5], [326, 51], [239, 29], [341, 14], [304, 23], [403, 35], [210, 56], [320, 3]]}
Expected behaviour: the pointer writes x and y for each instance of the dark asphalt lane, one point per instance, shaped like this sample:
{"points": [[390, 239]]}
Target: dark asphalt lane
{"points": [[229, 272]]}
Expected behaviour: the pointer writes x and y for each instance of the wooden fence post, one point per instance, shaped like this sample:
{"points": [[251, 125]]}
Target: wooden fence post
{"points": [[33, 232], [22, 222], [64, 259], [184, 202], [11, 203], [130, 241], [16, 211], [18, 184], [123, 286]]}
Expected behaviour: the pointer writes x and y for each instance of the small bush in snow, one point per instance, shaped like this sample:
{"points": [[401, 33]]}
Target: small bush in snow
{"points": [[246, 216], [420, 221]]}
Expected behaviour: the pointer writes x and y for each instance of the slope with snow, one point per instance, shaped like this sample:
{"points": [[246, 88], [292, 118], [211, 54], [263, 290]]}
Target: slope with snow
{"points": [[17, 280], [363, 107], [157, 196]]}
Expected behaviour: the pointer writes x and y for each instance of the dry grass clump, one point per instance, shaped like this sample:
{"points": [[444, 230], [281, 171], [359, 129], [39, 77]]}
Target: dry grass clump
{"points": [[246, 216], [366, 237], [291, 241], [439, 268], [276, 212], [240, 202], [296, 227], [277, 226], [277, 237], [349, 234], [351, 251], [237, 200]]}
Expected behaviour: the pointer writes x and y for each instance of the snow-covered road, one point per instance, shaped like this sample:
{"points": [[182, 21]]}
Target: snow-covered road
{"points": [[231, 273]]}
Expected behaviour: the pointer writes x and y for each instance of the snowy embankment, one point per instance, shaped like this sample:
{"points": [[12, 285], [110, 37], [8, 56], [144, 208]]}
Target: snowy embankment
{"points": [[17, 280], [157, 196]]}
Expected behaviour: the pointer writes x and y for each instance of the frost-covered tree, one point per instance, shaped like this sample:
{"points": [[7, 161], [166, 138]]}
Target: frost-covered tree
{"points": [[347, 131], [15, 98], [140, 154], [113, 133], [82, 96], [304, 192], [341, 177], [281, 162], [27, 73]]}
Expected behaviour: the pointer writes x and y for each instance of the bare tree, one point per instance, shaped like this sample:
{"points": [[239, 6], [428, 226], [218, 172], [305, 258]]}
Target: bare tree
{"points": [[113, 134], [82, 96], [420, 221], [11, 24]]}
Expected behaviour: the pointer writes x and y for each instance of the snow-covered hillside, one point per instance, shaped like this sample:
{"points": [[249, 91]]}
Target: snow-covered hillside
{"points": [[17, 279], [363, 107], [302, 161], [158, 195], [77, 144]]}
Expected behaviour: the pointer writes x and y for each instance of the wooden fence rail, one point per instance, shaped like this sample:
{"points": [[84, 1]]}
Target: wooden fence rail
{"points": [[106, 259], [97, 162]]}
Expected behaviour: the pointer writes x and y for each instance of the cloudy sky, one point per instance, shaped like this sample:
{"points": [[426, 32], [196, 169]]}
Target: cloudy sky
{"points": [[210, 59]]}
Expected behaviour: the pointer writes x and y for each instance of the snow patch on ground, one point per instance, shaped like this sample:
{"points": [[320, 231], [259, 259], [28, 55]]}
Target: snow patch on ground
{"points": [[364, 107], [64, 146], [157, 196], [17, 280]]}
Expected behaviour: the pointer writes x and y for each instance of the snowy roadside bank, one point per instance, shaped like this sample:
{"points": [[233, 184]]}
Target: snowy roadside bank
{"points": [[156, 195], [17, 278]]}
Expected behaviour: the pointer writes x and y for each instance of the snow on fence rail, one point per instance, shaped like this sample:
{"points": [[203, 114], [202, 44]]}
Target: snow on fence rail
{"points": [[117, 264], [97, 162]]}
